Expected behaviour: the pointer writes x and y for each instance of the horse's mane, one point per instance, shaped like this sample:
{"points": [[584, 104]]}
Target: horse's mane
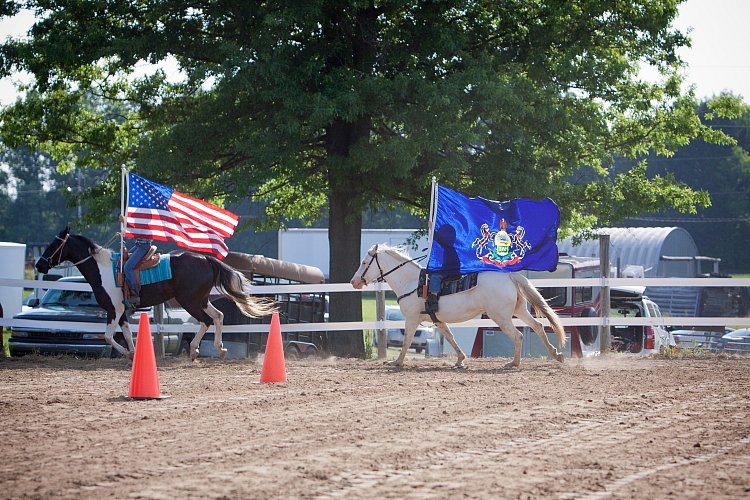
{"points": [[399, 252], [89, 243], [100, 253]]}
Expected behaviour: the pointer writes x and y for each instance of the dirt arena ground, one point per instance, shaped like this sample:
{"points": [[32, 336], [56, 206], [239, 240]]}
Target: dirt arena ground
{"points": [[617, 427]]}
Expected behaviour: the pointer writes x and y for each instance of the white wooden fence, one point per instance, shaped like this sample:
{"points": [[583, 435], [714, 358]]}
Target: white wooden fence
{"points": [[381, 287]]}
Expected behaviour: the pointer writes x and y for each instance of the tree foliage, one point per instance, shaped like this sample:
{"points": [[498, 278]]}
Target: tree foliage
{"points": [[723, 171], [35, 199], [334, 106]]}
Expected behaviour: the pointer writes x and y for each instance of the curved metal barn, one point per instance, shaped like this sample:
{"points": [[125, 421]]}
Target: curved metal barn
{"points": [[661, 251]]}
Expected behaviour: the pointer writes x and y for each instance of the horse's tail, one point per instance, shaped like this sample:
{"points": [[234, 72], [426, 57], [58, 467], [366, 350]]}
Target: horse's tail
{"points": [[540, 305], [233, 284]]}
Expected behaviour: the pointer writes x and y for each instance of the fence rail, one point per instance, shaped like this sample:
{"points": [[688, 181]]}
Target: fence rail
{"points": [[382, 287]]}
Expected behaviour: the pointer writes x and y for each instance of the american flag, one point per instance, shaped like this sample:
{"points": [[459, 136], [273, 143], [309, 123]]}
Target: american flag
{"points": [[161, 213]]}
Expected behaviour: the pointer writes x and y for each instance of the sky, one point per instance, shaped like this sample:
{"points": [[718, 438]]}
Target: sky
{"points": [[719, 59]]}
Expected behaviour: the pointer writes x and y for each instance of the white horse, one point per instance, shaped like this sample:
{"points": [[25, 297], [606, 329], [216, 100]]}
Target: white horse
{"points": [[499, 295]]}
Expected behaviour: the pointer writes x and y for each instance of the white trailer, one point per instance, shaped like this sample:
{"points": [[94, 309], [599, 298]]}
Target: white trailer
{"points": [[309, 246], [12, 261]]}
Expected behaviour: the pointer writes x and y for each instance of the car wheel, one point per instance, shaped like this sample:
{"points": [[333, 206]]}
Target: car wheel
{"points": [[291, 353], [588, 333], [184, 349]]}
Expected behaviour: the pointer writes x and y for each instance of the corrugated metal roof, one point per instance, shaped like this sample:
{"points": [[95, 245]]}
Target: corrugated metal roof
{"points": [[639, 246]]}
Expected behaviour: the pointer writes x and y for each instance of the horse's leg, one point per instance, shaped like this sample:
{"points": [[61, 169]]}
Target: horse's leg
{"points": [[507, 326], [127, 332], [109, 336], [199, 312], [522, 313], [411, 325], [218, 318], [443, 327], [196, 342]]}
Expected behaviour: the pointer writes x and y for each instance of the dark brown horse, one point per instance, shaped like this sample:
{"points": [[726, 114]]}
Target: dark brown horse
{"points": [[193, 278]]}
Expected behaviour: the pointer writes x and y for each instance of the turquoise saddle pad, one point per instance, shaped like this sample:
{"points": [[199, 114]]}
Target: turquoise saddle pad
{"points": [[161, 272]]}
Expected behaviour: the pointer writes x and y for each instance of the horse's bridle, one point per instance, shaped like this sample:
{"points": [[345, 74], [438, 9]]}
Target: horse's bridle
{"points": [[381, 278], [58, 250], [373, 258]]}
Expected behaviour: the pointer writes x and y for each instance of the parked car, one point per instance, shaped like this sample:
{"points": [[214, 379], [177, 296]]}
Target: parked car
{"points": [[395, 336], [79, 306], [630, 302], [698, 339], [737, 341]]}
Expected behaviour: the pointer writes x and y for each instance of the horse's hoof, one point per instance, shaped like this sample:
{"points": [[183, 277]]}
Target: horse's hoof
{"points": [[130, 355], [222, 353], [510, 365], [393, 362], [460, 366], [194, 355], [560, 358]]}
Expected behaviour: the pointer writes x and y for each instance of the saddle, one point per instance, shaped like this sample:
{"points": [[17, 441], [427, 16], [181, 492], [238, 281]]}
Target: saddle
{"points": [[151, 259], [451, 284]]}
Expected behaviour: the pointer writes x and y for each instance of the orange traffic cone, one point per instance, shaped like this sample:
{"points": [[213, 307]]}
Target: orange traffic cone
{"points": [[274, 368], [144, 381]]}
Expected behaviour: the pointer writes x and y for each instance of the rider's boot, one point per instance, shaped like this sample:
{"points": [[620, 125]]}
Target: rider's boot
{"points": [[431, 304], [131, 298], [135, 296]]}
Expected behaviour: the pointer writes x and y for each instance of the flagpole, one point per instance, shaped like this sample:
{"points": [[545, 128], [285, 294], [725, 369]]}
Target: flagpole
{"points": [[431, 220], [123, 181]]}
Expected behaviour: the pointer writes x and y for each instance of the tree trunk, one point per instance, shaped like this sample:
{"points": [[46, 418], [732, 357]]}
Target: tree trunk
{"points": [[344, 234], [346, 185]]}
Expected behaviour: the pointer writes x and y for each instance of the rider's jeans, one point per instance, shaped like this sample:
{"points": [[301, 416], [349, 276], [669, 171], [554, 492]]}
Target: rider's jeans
{"points": [[136, 254]]}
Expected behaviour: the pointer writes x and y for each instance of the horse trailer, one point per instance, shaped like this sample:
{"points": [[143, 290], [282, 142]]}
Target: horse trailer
{"points": [[294, 308]]}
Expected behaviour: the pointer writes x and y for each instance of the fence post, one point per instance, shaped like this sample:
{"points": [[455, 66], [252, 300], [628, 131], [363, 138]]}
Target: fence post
{"points": [[159, 337], [380, 316], [604, 301]]}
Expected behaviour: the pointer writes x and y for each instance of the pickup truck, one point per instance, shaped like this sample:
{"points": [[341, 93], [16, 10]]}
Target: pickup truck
{"points": [[81, 307]]}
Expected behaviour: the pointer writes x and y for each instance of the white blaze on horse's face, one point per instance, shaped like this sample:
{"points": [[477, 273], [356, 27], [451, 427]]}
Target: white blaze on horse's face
{"points": [[357, 281], [360, 277]]}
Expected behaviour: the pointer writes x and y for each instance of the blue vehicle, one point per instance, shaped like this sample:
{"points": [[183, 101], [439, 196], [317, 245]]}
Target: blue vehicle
{"points": [[737, 341]]}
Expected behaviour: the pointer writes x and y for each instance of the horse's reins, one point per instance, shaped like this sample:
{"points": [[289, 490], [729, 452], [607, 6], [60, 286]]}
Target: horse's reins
{"points": [[381, 278], [59, 251]]}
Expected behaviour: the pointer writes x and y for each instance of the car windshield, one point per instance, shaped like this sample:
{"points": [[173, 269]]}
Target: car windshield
{"points": [[69, 298], [394, 315]]}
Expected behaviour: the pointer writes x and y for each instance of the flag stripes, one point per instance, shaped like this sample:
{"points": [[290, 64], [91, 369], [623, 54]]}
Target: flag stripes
{"points": [[157, 212]]}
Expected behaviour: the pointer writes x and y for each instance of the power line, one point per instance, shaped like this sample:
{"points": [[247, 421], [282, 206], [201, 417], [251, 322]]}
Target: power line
{"points": [[710, 220]]}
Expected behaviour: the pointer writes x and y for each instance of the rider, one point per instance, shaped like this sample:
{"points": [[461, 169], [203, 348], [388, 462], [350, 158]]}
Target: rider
{"points": [[446, 238], [139, 250], [433, 289]]}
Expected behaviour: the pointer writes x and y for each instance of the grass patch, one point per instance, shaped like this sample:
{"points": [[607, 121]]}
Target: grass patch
{"points": [[369, 304], [369, 313]]}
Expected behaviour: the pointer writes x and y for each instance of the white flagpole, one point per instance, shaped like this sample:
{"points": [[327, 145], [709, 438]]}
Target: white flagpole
{"points": [[123, 181], [431, 220]]}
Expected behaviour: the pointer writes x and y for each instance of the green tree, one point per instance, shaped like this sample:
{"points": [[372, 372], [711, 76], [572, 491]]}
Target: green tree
{"points": [[722, 229], [36, 200], [335, 106]]}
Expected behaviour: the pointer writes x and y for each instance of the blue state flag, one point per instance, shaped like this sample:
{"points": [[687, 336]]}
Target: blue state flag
{"points": [[475, 234]]}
